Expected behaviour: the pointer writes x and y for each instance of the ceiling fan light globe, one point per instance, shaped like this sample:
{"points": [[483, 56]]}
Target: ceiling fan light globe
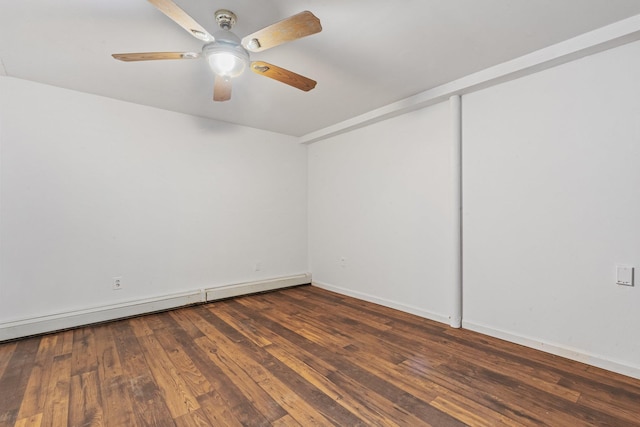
{"points": [[227, 58], [227, 64]]}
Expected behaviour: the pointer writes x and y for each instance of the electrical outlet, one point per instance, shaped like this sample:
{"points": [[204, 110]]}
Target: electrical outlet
{"points": [[257, 266], [117, 283], [343, 262]]}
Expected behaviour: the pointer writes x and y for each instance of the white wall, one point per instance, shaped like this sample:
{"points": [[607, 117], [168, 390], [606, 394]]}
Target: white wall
{"points": [[379, 197], [552, 204], [93, 188]]}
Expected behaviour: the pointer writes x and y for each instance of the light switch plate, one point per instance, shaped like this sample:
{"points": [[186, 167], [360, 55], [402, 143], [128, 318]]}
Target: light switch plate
{"points": [[624, 275]]}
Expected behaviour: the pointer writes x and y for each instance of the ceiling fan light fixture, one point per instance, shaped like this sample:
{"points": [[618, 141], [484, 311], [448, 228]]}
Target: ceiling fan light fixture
{"points": [[226, 56], [227, 63]]}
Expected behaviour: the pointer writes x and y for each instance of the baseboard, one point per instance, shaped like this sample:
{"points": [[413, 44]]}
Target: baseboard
{"points": [[73, 319], [384, 302], [558, 350], [254, 287]]}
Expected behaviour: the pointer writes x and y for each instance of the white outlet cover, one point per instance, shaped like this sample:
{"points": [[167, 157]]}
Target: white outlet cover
{"points": [[624, 275]]}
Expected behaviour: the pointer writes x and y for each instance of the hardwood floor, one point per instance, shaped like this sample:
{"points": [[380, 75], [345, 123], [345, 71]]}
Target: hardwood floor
{"points": [[299, 356]]}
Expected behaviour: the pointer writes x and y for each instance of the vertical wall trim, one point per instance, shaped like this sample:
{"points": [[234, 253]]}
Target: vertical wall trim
{"points": [[455, 103]]}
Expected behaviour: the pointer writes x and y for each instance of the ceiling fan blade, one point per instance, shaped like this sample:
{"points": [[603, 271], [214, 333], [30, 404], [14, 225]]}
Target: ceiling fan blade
{"points": [[152, 56], [181, 18], [282, 75], [222, 89], [295, 27]]}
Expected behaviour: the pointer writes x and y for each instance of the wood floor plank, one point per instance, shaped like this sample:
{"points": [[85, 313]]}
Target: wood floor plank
{"points": [[175, 392], [391, 372], [245, 325], [322, 383], [548, 387], [217, 411], [116, 405], [196, 418], [196, 382], [140, 326], [286, 421], [329, 309], [487, 360], [260, 399], [6, 351], [117, 410], [589, 387], [386, 409], [625, 412], [610, 378], [14, 381], [406, 401], [295, 405], [373, 362], [299, 356], [511, 408], [460, 407], [56, 407], [85, 407], [572, 419], [307, 365], [35, 394], [308, 358], [265, 368], [371, 310], [462, 414], [484, 379], [141, 390], [31, 421], [224, 388], [179, 317], [64, 343], [84, 355], [108, 360]]}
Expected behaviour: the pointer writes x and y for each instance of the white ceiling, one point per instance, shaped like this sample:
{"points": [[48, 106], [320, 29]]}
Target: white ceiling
{"points": [[370, 53]]}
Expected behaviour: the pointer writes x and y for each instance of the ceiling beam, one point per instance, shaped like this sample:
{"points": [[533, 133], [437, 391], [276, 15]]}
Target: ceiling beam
{"points": [[601, 39]]}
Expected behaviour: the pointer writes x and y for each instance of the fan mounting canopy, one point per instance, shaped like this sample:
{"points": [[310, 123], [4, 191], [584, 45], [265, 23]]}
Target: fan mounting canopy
{"points": [[225, 19]]}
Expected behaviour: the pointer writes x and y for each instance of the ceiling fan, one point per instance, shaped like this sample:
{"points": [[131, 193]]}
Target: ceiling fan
{"points": [[227, 54]]}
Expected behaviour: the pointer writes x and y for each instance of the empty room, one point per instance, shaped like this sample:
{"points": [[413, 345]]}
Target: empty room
{"points": [[295, 213]]}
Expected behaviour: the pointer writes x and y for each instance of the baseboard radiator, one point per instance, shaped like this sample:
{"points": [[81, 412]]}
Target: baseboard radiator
{"points": [[72, 319]]}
